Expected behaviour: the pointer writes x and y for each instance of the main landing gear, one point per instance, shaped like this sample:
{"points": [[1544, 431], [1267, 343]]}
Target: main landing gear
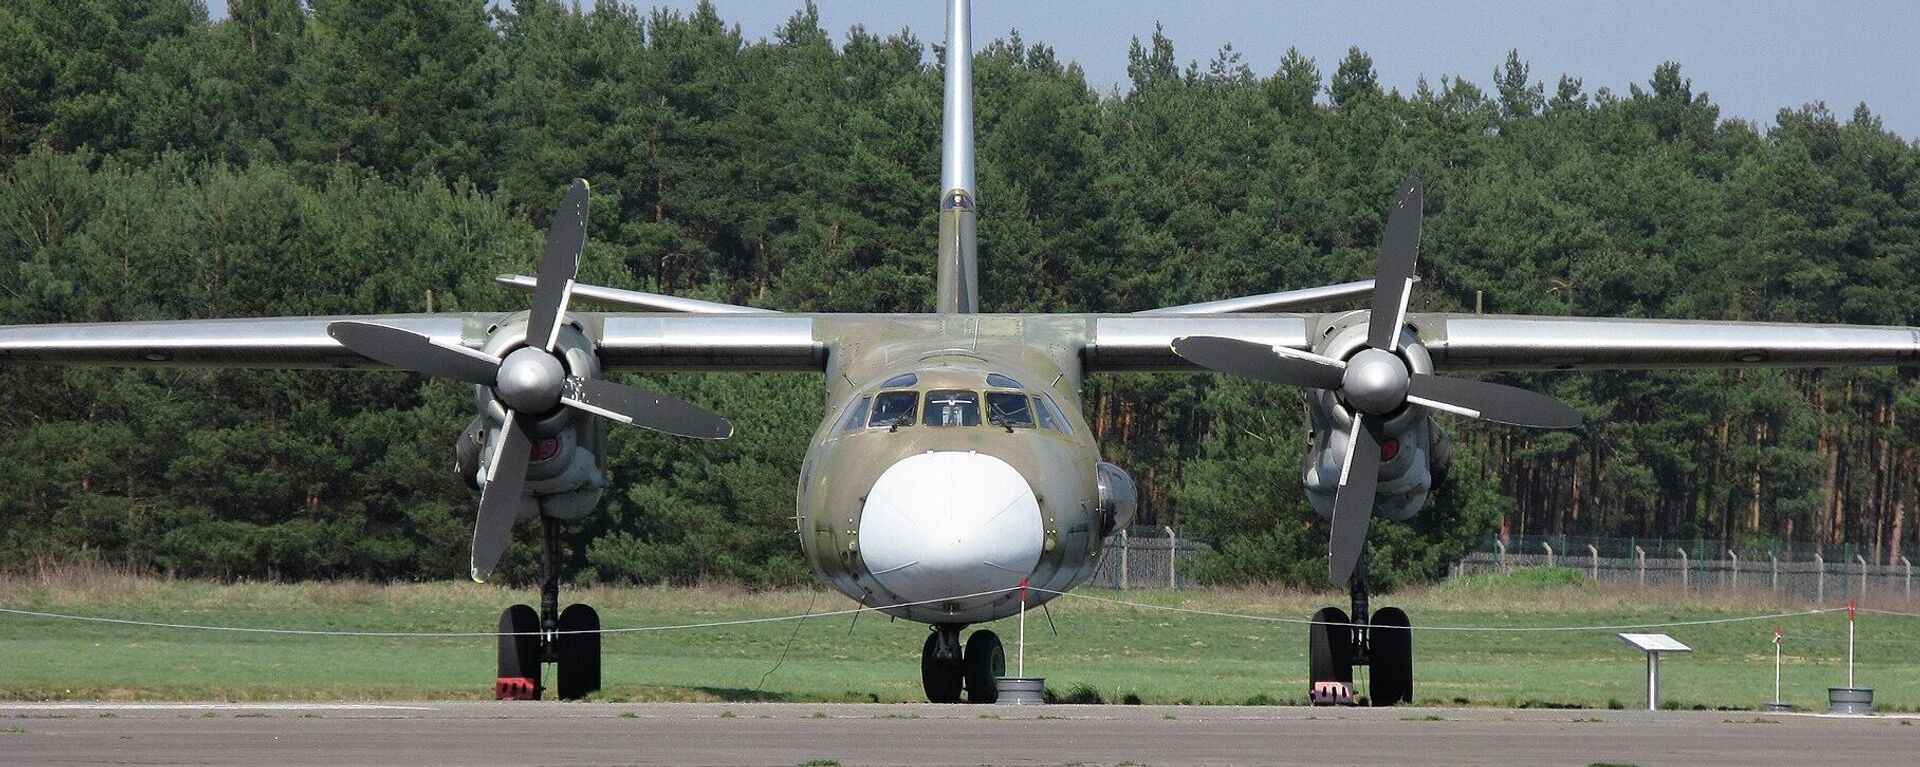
{"points": [[570, 640], [946, 670], [1383, 642]]}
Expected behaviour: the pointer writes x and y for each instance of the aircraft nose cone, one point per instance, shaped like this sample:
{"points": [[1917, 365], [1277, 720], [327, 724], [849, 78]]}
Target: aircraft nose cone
{"points": [[948, 524]]}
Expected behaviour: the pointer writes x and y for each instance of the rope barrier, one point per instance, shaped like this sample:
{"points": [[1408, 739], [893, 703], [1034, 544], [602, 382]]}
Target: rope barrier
{"points": [[1508, 629], [464, 634], [879, 608]]}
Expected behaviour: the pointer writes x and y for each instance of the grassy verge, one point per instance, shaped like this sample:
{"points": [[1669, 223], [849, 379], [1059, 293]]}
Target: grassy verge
{"points": [[1102, 650]]}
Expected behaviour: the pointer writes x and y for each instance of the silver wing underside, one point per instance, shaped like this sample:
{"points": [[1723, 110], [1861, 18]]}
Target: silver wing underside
{"points": [[1484, 342], [1107, 342], [625, 341]]}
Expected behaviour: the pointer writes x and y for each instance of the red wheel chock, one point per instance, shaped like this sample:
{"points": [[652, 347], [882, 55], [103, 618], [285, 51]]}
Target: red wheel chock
{"points": [[1332, 694], [516, 688]]}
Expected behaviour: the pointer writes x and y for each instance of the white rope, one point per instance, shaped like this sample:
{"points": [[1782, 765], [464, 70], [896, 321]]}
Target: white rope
{"points": [[1509, 629], [853, 610], [460, 634]]}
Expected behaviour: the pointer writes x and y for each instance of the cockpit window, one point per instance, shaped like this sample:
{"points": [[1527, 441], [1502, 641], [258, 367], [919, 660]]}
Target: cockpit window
{"points": [[1045, 415], [1009, 409], [995, 379], [953, 407], [1047, 405], [856, 415], [894, 408], [899, 381]]}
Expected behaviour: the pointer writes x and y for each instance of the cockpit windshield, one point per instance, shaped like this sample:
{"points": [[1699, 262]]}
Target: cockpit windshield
{"points": [[856, 415], [1009, 409], [894, 408], [953, 407]]}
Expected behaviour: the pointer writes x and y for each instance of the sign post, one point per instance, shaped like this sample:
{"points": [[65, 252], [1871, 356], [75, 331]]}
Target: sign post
{"points": [[1853, 609], [1022, 664], [1777, 704], [1653, 645], [1020, 689], [1850, 699]]}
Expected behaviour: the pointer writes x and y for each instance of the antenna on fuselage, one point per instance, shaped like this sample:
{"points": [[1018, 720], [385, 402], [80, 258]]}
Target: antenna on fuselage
{"points": [[957, 282]]}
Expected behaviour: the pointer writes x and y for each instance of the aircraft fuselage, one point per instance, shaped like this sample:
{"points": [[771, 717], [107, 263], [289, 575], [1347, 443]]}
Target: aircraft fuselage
{"points": [[944, 474]]}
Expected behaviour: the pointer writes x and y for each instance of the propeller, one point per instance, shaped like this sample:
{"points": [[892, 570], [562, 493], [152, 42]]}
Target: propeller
{"points": [[1376, 382], [530, 380]]}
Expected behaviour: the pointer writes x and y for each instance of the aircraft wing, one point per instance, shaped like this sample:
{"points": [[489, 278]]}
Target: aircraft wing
{"points": [[625, 341], [1494, 342], [1462, 342]]}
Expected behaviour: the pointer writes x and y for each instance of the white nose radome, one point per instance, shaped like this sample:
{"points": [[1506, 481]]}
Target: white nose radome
{"points": [[948, 524]]}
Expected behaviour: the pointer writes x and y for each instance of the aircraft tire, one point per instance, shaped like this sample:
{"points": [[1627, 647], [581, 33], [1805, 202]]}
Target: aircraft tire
{"points": [[1390, 675], [519, 659], [578, 672], [1329, 652], [942, 679], [985, 661]]}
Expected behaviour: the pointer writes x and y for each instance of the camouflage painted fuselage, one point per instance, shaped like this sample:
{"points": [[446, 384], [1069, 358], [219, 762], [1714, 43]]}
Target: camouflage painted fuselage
{"points": [[938, 551]]}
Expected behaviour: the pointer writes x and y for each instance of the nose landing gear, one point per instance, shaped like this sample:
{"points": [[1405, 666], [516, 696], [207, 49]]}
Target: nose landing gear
{"points": [[570, 640], [946, 671], [1383, 642]]}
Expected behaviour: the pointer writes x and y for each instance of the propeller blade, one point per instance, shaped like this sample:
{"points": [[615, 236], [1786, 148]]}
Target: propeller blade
{"points": [[559, 264], [502, 501], [1353, 501], [408, 350], [1261, 362], [1393, 276], [644, 409], [1492, 402]]}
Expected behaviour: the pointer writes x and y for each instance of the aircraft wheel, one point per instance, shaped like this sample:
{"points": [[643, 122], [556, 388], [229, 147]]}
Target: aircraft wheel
{"points": [[985, 660], [941, 678], [519, 666], [1391, 657], [1330, 658], [578, 654]]}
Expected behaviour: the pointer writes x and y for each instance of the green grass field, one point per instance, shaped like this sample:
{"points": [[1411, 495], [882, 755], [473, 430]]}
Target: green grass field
{"points": [[1117, 652]]}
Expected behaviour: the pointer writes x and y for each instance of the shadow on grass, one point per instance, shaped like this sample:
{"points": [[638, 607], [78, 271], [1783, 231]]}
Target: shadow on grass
{"points": [[737, 695]]}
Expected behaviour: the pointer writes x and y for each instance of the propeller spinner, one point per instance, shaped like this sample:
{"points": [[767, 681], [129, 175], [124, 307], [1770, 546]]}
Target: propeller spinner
{"points": [[1376, 382], [530, 379]]}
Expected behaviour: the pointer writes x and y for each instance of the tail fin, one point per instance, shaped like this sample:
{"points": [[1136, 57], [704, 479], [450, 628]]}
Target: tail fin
{"points": [[957, 283]]}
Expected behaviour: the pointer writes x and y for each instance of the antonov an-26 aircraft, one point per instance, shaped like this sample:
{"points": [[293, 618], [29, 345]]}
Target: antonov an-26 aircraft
{"points": [[952, 462]]}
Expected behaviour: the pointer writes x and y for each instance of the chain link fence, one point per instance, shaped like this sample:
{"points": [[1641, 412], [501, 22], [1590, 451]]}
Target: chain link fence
{"points": [[1146, 558], [1811, 572]]}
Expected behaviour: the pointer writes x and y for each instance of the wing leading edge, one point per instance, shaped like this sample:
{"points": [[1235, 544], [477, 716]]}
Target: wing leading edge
{"points": [[625, 341], [1464, 342], [1109, 342]]}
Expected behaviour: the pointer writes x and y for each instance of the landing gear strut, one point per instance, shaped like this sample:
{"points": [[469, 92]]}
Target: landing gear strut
{"points": [[1383, 642], [568, 639], [946, 670]]}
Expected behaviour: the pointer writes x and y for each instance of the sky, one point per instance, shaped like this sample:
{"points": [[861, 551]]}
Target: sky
{"points": [[1752, 57]]}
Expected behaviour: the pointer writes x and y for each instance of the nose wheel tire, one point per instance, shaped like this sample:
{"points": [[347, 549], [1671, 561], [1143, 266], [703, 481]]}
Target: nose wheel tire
{"points": [[1330, 658], [1390, 657], [577, 654], [942, 677], [984, 661], [519, 662]]}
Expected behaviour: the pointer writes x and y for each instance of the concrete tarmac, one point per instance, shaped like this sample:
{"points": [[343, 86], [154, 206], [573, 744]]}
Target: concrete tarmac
{"points": [[789, 734]]}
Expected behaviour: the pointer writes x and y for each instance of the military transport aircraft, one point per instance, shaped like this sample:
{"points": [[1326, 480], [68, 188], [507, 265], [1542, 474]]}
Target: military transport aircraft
{"points": [[952, 463]]}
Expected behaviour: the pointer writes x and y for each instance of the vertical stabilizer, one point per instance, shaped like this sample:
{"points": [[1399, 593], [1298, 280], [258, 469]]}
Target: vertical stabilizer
{"points": [[958, 280]]}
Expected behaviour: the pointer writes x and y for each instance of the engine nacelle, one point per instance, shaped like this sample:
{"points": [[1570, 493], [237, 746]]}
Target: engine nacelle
{"points": [[567, 472], [1119, 498], [1414, 452]]}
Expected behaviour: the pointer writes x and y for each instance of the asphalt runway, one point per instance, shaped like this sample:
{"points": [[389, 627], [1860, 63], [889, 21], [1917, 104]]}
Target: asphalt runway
{"points": [[789, 734]]}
